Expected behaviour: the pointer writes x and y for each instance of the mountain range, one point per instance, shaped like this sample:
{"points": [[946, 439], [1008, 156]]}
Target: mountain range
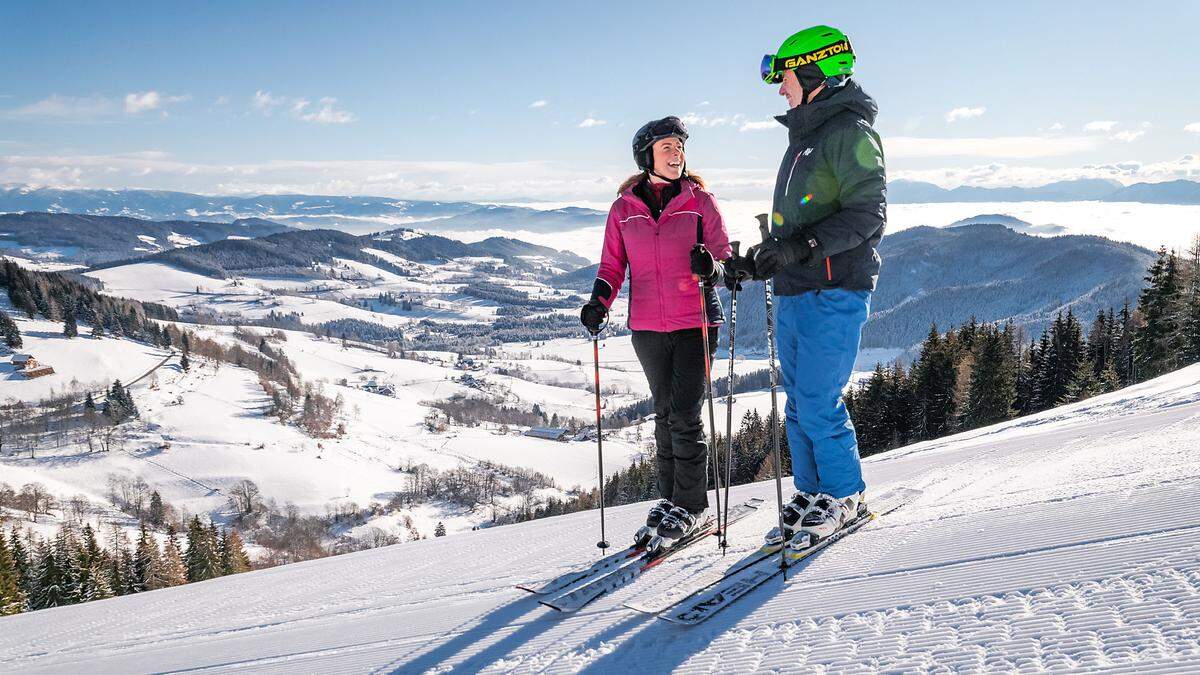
{"points": [[1169, 192], [987, 270]]}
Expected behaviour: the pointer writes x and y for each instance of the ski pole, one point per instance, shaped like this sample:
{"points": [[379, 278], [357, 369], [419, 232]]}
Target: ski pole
{"points": [[603, 543], [729, 400], [712, 423], [769, 294]]}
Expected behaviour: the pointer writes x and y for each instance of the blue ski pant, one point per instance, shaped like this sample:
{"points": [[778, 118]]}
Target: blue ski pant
{"points": [[817, 334]]}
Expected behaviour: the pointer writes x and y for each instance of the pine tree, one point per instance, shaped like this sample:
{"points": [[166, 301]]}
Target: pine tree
{"points": [[145, 560], [233, 553], [23, 562], [93, 569], [131, 585], [440, 530], [55, 584], [934, 383], [1123, 361], [70, 328], [184, 362], [98, 327], [992, 380], [1190, 312], [12, 597], [200, 559], [9, 331], [1156, 342], [157, 512], [89, 403], [173, 571], [118, 562]]}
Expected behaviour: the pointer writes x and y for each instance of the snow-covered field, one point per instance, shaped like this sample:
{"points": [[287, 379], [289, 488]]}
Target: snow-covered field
{"points": [[203, 431], [1062, 541]]}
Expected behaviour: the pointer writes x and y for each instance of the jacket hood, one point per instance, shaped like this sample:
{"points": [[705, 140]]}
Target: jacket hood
{"points": [[804, 119]]}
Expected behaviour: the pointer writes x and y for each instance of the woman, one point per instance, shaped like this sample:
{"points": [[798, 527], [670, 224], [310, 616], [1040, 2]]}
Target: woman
{"points": [[653, 229]]}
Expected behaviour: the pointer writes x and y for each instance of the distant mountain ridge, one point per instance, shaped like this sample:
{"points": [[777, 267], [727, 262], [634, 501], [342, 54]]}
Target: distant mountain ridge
{"points": [[354, 214], [947, 275], [294, 252], [91, 240], [1169, 192]]}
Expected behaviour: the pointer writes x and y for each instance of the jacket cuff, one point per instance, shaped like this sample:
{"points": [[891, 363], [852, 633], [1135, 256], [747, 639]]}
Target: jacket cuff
{"points": [[602, 291]]}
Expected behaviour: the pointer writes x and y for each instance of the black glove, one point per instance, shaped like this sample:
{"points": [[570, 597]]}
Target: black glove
{"points": [[776, 253], [703, 263], [592, 314], [738, 269]]}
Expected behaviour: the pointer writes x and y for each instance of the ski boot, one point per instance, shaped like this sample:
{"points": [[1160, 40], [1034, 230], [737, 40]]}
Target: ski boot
{"points": [[678, 524], [653, 519], [828, 515], [793, 513]]}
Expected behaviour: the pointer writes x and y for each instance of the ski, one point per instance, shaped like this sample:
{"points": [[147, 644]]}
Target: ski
{"points": [[672, 596], [601, 566], [724, 591], [628, 570]]}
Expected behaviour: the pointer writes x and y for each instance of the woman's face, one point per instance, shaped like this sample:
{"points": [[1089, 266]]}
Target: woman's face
{"points": [[668, 158]]}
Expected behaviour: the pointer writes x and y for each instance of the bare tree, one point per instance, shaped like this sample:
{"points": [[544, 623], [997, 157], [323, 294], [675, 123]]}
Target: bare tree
{"points": [[243, 496]]}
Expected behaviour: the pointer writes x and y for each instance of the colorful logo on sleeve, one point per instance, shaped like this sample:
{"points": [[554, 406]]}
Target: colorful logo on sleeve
{"points": [[806, 199]]}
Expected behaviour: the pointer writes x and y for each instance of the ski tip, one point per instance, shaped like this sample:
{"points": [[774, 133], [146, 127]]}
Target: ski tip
{"points": [[551, 606]]}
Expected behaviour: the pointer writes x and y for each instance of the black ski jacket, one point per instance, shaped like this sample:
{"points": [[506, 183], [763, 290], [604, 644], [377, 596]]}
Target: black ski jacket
{"points": [[831, 188]]}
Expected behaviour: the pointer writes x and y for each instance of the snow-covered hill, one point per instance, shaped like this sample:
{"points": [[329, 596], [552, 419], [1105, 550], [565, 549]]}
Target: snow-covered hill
{"points": [[1066, 540]]}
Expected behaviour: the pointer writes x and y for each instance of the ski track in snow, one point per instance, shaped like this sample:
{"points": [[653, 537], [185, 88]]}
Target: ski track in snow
{"points": [[1065, 541]]}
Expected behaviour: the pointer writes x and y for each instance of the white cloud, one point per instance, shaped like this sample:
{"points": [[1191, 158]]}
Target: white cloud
{"points": [[1194, 128], [138, 102], [482, 181], [540, 103], [590, 122], [711, 121], [1057, 126], [759, 126], [265, 103], [998, 174], [328, 114], [65, 108], [1128, 136], [301, 108], [703, 104], [964, 113], [998, 147], [1100, 125]]}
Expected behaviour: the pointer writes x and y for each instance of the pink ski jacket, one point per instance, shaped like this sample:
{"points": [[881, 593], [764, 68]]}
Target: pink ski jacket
{"points": [[663, 295]]}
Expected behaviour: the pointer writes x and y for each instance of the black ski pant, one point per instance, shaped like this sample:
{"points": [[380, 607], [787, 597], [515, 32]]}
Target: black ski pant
{"points": [[674, 366]]}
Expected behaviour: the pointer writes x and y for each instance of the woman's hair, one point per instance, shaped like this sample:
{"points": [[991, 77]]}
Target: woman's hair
{"points": [[632, 180]]}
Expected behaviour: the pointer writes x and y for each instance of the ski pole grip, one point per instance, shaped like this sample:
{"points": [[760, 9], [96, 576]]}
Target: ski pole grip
{"points": [[734, 246], [764, 227]]}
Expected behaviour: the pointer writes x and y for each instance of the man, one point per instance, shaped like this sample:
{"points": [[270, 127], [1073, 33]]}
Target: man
{"points": [[828, 215]]}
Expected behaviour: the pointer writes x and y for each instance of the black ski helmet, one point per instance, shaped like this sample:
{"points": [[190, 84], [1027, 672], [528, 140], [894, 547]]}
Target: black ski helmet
{"points": [[650, 132]]}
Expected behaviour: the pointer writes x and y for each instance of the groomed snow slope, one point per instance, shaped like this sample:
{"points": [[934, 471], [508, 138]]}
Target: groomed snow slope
{"points": [[1069, 540]]}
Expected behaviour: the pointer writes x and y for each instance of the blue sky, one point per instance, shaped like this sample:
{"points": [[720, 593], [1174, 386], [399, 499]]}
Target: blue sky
{"points": [[440, 100]]}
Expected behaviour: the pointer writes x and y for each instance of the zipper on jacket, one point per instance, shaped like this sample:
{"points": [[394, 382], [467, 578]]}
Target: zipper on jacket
{"points": [[788, 185], [662, 315], [828, 269]]}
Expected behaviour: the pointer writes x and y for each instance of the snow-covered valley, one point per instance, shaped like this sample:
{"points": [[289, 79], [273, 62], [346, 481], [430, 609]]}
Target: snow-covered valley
{"points": [[1056, 541]]}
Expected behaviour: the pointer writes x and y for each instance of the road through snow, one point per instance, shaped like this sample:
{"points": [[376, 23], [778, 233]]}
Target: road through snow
{"points": [[1068, 540]]}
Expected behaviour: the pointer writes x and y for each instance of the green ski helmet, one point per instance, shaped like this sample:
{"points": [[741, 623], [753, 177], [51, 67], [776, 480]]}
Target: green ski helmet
{"points": [[820, 53]]}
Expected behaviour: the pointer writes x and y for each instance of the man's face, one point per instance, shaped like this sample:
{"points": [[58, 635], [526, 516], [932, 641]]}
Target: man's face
{"points": [[793, 92], [791, 89]]}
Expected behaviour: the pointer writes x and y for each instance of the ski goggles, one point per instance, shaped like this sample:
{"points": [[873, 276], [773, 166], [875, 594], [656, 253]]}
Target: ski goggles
{"points": [[772, 67], [666, 127]]}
